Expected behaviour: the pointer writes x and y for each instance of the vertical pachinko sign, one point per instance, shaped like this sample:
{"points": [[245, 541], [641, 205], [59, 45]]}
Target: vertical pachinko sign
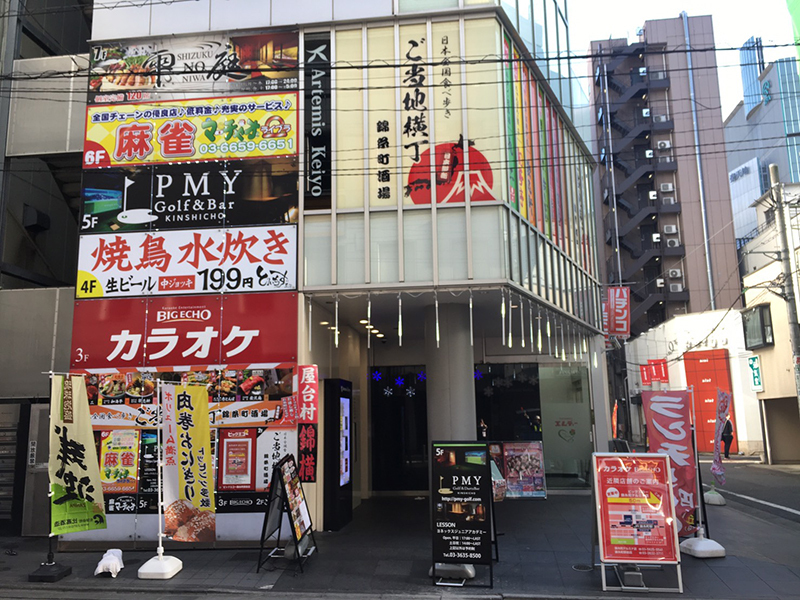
{"points": [[77, 490], [669, 428], [188, 476]]}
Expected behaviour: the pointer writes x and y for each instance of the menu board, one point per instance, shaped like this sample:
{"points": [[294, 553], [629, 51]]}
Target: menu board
{"points": [[462, 503], [635, 509], [296, 500]]}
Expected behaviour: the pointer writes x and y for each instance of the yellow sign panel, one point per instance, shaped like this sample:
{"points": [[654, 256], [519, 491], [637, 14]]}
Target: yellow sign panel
{"points": [[190, 130]]}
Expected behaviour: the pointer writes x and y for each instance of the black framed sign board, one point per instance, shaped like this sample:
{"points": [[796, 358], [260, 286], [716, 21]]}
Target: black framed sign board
{"points": [[462, 504], [286, 497]]}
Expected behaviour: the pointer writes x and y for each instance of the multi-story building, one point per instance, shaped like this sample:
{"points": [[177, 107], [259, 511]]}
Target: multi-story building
{"points": [[761, 130], [662, 175], [423, 198]]}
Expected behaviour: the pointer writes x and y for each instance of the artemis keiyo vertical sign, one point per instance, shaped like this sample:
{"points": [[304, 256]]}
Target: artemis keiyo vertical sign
{"points": [[317, 120]]}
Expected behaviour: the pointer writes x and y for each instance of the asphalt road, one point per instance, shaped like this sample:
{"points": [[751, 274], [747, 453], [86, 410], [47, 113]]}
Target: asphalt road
{"points": [[770, 488]]}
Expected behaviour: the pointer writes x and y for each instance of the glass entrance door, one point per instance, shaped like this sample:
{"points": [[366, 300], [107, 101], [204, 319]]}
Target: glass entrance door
{"points": [[399, 417]]}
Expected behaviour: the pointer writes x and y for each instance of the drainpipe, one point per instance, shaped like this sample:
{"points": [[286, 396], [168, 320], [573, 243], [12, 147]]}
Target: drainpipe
{"points": [[706, 240]]}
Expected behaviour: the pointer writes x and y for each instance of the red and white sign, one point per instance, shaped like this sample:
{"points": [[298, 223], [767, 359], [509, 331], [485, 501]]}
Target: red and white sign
{"points": [[189, 331], [635, 515], [646, 374], [307, 393], [669, 428], [658, 370], [168, 263], [619, 312], [237, 458]]}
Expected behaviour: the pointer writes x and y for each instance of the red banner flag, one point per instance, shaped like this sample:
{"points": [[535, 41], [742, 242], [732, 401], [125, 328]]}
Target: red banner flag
{"points": [[619, 312], [669, 429], [658, 370], [647, 375]]}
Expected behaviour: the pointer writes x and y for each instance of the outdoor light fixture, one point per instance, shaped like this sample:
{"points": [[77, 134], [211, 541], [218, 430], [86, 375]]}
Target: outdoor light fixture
{"points": [[400, 320]]}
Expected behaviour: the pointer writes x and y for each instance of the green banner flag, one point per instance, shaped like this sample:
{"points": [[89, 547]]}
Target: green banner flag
{"points": [[76, 501]]}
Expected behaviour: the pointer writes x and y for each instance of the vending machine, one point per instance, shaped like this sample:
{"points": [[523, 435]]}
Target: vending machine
{"points": [[338, 457]]}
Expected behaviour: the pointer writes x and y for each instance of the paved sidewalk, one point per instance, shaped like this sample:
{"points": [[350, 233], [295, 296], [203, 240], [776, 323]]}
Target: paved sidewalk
{"points": [[385, 553]]}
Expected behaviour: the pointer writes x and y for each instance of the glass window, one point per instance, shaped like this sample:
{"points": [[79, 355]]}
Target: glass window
{"points": [[542, 259], [514, 245], [350, 249], [524, 255], [317, 250], [348, 159], [417, 245], [489, 246], [757, 324], [533, 238], [539, 32], [408, 6], [452, 240], [485, 117], [382, 135], [510, 6], [526, 24], [384, 254], [565, 399]]}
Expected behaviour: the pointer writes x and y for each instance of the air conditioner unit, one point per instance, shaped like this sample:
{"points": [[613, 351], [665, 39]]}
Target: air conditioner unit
{"points": [[664, 145], [660, 119], [668, 200], [656, 237], [666, 187], [674, 273], [660, 283], [673, 243], [670, 229], [645, 112], [648, 154], [643, 71], [675, 287], [653, 195]]}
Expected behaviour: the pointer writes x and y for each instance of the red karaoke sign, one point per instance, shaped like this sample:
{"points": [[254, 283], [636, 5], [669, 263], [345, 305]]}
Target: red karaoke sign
{"points": [[635, 515], [190, 331]]}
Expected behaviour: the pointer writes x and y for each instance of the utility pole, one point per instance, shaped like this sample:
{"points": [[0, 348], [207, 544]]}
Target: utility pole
{"points": [[788, 278]]}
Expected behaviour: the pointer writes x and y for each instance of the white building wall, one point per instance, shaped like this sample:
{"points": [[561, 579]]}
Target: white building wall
{"points": [[711, 330]]}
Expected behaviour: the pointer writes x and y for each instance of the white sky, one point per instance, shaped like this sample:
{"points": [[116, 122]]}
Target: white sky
{"points": [[734, 22]]}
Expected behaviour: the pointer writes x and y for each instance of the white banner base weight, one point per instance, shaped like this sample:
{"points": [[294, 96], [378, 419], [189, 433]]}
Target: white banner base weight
{"points": [[160, 567], [702, 547], [714, 498]]}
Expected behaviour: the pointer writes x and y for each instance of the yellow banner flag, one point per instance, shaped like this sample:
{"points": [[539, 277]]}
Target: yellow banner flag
{"points": [[188, 477], [77, 490]]}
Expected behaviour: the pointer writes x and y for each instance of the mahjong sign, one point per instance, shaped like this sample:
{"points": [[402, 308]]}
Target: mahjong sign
{"points": [[253, 126]]}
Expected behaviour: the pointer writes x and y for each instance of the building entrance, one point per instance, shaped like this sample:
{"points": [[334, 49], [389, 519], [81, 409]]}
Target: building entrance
{"points": [[398, 404]]}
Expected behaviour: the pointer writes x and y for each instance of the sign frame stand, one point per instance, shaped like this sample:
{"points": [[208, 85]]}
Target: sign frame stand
{"points": [[629, 573], [303, 547], [456, 574], [160, 566]]}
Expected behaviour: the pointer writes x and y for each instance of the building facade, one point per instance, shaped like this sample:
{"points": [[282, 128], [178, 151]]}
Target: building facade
{"points": [[393, 192], [760, 131], [666, 210]]}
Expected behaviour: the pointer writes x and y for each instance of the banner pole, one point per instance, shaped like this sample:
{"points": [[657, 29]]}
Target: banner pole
{"points": [[700, 546], [160, 566], [50, 571]]}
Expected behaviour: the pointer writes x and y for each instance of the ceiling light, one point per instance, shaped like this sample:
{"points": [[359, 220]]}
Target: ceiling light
{"points": [[324, 323], [363, 321], [380, 335]]}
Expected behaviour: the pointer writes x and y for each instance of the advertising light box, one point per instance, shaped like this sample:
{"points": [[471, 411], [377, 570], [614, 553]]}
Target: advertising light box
{"points": [[184, 330], [191, 130], [252, 259], [189, 196]]}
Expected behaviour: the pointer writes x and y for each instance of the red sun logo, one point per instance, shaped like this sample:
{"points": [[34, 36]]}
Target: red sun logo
{"points": [[449, 174]]}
